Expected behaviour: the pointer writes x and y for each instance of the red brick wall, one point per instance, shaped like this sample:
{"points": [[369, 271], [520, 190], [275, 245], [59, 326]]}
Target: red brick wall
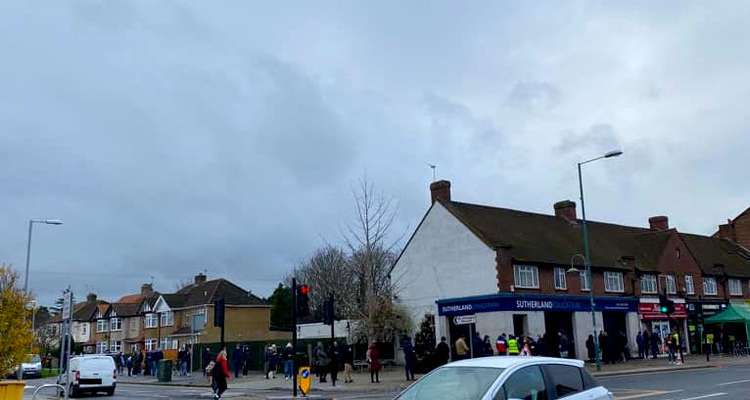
{"points": [[742, 230]]}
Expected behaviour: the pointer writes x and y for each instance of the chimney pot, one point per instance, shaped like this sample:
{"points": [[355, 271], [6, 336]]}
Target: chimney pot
{"points": [[440, 190], [147, 289], [726, 231], [566, 209], [200, 278], [91, 298], [658, 223]]}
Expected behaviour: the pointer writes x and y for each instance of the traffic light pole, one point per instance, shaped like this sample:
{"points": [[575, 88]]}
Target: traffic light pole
{"points": [[294, 337]]}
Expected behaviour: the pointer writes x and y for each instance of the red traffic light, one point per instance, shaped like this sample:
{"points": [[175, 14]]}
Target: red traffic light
{"points": [[304, 290]]}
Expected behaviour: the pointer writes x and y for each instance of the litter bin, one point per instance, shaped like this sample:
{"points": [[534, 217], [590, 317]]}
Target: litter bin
{"points": [[164, 371]]}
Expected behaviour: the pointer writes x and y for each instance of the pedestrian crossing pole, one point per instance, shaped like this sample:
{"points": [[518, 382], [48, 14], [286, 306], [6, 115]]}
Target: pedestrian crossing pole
{"points": [[294, 337]]}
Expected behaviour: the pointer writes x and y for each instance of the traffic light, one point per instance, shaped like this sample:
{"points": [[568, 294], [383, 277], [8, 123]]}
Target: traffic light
{"points": [[303, 301], [329, 314], [666, 306], [219, 312]]}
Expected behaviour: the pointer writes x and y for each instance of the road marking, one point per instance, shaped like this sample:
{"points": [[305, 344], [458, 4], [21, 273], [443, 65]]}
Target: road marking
{"points": [[734, 382], [706, 396], [648, 393]]}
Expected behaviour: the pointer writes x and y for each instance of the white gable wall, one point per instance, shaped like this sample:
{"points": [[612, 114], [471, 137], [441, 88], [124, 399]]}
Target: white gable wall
{"points": [[443, 259]]}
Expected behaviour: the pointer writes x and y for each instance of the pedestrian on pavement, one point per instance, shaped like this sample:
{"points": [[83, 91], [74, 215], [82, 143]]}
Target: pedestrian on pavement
{"points": [[220, 374], [655, 342], [288, 359], [267, 355], [410, 358], [646, 343], [462, 350], [120, 363], [274, 363], [563, 344], [348, 355], [513, 349], [477, 345], [322, 359], [333, 365], [373, 360], [237, 356], [501, 344], [488, 350], [590, 348], [639, 343], [541, 346], [246, 365], [442, 352], [129, 364], [188, 360], [603, 346], [526, 348]]}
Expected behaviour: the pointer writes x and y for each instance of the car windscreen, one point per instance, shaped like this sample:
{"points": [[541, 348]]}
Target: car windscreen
{"points": [[453, 383], [96, 364], [36, 359]]}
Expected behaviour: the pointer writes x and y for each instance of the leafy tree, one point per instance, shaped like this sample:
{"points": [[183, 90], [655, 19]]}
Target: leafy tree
{"points": [[281, 308], [15, 321]]}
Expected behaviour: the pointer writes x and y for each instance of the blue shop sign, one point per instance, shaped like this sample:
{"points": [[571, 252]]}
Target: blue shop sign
{"points": [[530, 302]]}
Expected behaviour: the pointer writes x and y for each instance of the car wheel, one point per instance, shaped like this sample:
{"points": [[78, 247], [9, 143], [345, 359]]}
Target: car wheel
{"points": [[111, 392]]}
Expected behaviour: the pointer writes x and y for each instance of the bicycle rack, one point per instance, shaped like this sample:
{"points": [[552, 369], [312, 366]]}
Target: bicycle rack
{"points": [[59, 387]]}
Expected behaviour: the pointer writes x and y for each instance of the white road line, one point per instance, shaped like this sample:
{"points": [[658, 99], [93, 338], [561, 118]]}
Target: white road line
{"points": [[706, 396], [733, 383], [648, 393]]}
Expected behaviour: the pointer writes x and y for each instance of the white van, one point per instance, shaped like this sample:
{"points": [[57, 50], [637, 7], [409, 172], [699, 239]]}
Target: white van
{"points": [[95, 373]]}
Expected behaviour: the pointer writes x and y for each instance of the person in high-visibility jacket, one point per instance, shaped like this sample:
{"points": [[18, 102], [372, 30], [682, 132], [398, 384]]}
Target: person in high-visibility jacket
{"points": [[513, 349]]}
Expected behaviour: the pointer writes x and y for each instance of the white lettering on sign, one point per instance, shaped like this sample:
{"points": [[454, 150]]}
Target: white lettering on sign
{"points": [[534, 304], [465, 319], [460, 307]]}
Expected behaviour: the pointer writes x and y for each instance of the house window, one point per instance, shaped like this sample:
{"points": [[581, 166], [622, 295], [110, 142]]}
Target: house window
{"points": [[152, 320], [560, 282], [115, 324], [526, 276], [689, 287], [735, 287], [116, 346], [85, 329], [648, 284], [134, 348], [101, 347], [613, 282], [671, 287], [167, 318], [151, 344], [102, 325], [168, 344], [709, 286], [585, 282]]}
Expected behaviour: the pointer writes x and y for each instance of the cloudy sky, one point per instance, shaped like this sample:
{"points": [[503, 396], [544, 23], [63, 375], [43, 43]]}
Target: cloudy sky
{"points": [[173, 137]]}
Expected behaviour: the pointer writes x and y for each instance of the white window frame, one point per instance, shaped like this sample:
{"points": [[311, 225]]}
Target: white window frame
{"points": [[115, 324], [151, 320], [166, 318], [101, 347], [85, 329], [151, 344], [102, 325], [585, 282], [116, 346], [671, 284], [735, 287], [706, 286], [689, 285], [561, 282], [649, 284], [526, 276], [614, 278]]}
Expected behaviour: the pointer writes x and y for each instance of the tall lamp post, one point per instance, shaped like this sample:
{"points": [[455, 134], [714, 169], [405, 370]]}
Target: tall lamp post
{"points": [[587, 252], [28, 246]]}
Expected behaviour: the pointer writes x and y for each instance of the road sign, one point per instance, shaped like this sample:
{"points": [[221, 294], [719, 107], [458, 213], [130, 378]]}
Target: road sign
{"points": [[465, 319], [67, 300], [304, 380]]}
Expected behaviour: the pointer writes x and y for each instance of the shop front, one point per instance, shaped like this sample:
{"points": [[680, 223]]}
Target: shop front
{"points": [[536, 315], [662, 324], [698, 311]]}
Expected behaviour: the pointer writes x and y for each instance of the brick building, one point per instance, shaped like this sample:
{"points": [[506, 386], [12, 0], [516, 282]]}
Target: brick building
{"points": [[737, 229], [521, 273]]}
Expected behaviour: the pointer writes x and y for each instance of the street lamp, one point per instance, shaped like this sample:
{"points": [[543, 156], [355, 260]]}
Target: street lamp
{"points": [[587, 253], [28, 247]]}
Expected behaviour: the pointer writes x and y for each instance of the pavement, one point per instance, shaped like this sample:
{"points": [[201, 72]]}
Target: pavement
{"points": [[647, 379]]}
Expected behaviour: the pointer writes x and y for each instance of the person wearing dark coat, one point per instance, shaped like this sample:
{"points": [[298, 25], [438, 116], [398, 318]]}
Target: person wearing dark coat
{"points": [[655, 339], [442, 352], [410, 358], [639, 344], [333, 366], [487, 348], [207, 357], [591, 348], [603, 346], [246, 357], [237, 360], [646, 344], [477, 346]]}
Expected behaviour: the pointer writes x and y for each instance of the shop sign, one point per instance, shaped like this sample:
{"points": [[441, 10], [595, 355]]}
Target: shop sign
{"points": [[651, 311], [479, 304], [465, 319]]}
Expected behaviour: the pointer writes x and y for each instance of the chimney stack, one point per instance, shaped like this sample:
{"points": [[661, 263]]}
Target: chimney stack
{"points": [[200, 278], [147, 289], [566, 209], [658, 223], [440, 190], [91, 298], [726, 231]]}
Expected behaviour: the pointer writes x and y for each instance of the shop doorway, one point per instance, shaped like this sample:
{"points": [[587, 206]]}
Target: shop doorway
{"points": [[456, 331], [555, 322], [660, 328], [520, 325], [614, 323]]}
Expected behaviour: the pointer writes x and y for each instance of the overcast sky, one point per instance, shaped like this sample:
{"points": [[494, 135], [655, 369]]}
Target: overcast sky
{"points": [[173, 137]]}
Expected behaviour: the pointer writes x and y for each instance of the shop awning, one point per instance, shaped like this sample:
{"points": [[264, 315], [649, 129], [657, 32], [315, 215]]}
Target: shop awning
{"points": [[734, 313]]}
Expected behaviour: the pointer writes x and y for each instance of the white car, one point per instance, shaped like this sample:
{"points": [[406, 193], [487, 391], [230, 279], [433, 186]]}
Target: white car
{"points": [[31, 368], [92, 373], [508, 378]]}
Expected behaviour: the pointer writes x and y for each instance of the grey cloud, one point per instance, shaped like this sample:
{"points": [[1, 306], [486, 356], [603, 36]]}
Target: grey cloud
{"points": [[534, 95], [598, 137]]}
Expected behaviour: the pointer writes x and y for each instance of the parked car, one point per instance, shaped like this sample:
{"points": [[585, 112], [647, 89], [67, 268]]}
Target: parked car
{"points": [[92, 374], [32, 368], [508, 378]]}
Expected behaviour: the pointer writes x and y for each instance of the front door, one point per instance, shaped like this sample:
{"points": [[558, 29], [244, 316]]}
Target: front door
{"points": [[660, 328]]}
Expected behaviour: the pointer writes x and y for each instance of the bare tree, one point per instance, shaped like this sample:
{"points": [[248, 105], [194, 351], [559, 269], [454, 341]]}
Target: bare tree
{"points": [[327, 271]]}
